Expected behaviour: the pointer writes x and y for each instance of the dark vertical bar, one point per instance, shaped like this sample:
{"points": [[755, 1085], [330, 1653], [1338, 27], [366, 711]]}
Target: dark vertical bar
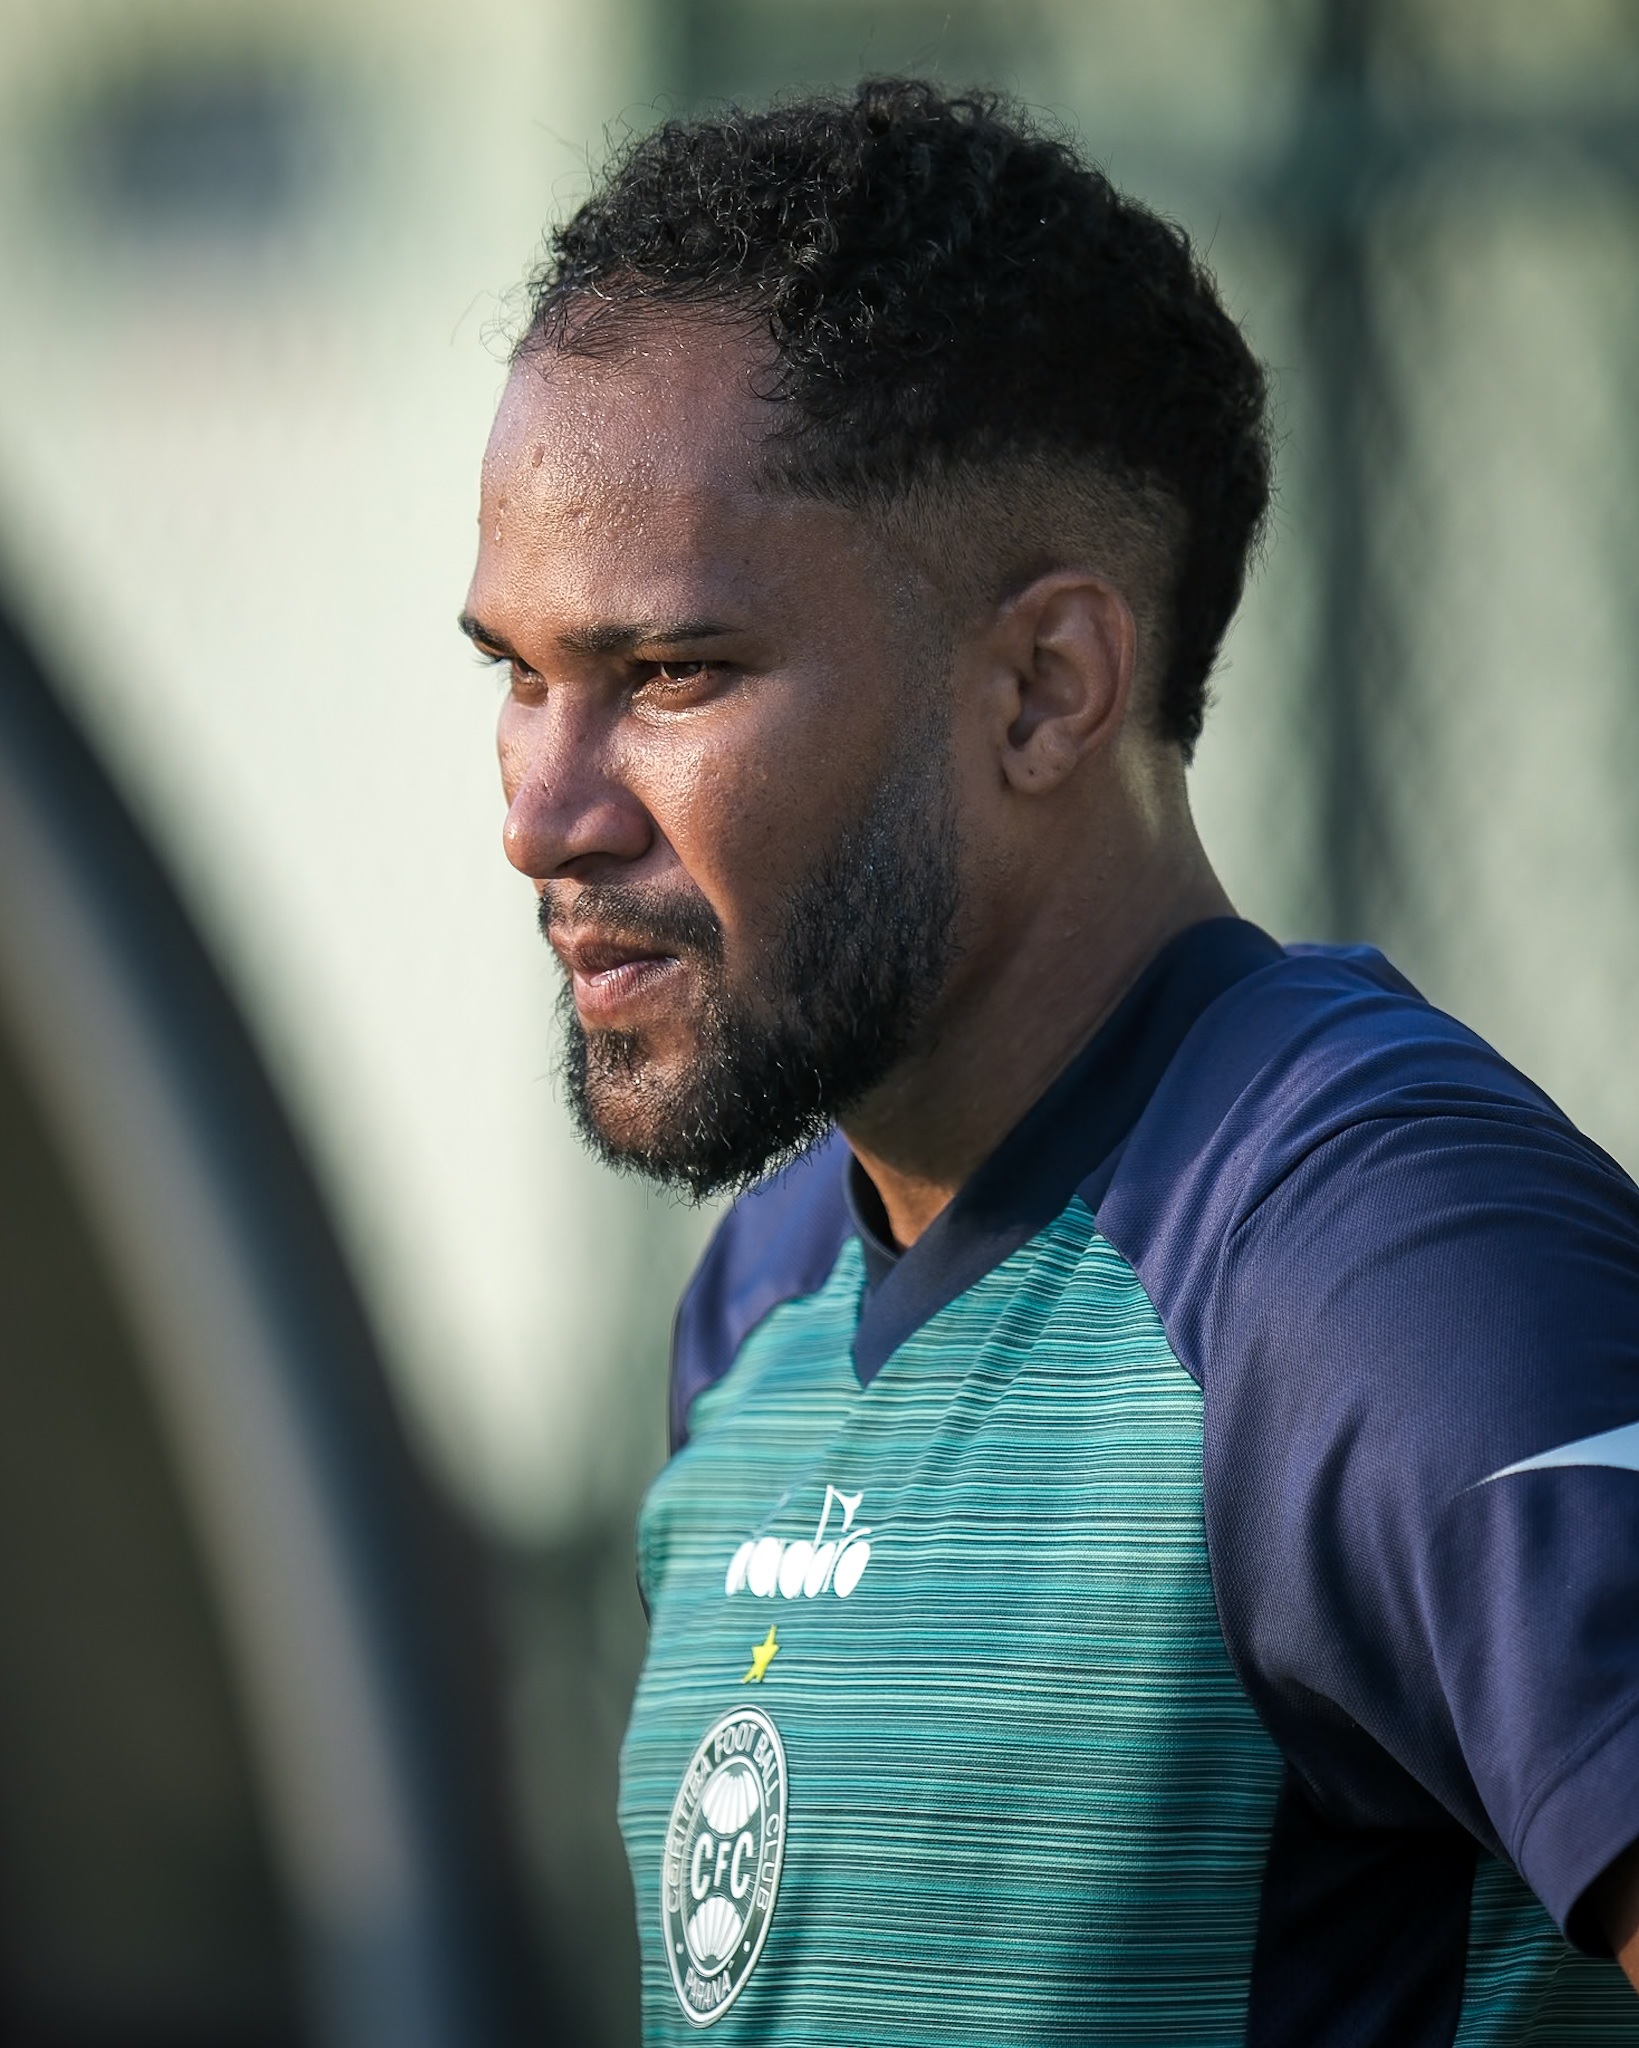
{"points": [[692, 33], [1332, 179]]}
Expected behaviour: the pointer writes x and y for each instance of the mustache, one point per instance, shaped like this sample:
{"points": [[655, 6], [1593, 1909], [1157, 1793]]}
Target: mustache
{"points": [[642, 916]]}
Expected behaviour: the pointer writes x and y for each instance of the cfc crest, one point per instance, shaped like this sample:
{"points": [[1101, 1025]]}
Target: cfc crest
{"points": [[725, 1843]]}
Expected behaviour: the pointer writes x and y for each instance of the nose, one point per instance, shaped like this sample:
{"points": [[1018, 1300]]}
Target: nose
{"points": [[569, 811]]}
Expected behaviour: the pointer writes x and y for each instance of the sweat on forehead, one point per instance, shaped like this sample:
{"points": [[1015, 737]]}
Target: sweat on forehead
{"points": [[633, 491], [677, 400], [651, 468]]}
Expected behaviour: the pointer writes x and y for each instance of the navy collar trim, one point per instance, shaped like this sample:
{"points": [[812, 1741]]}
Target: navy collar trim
{"points": [[1069, 1140]]}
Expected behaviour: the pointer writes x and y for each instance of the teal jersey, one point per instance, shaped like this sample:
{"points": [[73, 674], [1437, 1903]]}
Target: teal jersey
{"points": [[941, 1736], [1027, 1799]]}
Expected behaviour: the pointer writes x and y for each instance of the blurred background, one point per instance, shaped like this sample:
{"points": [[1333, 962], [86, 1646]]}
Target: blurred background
{"points": [[260, 265]]}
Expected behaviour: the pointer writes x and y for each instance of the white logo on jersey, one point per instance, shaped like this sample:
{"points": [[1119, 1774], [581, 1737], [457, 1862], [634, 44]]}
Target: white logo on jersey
{"points": [[767, 1565], [1617, 1449], [725, 1843]]}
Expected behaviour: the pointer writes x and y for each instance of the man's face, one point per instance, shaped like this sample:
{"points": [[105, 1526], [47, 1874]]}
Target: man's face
{"points": [[725, 750]]}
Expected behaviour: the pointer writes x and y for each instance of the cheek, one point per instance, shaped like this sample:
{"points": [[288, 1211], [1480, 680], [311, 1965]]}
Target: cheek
{"points": [[720, 811], [743, 810]]}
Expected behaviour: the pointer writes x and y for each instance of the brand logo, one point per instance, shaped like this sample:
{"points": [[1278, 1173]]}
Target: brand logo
{"points": [[725, 1843], [1615, 1449], [835, 1556]]}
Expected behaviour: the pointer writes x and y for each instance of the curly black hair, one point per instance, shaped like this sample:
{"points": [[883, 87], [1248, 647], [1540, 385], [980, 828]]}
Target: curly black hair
{"points": [[950, 290]]}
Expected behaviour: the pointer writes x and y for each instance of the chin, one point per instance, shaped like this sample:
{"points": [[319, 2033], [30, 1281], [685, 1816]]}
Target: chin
{"points": [[626, 1125], [633, 1101]]}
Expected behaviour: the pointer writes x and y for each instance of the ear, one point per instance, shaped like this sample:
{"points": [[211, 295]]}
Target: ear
{"points": [[1064, 651]]}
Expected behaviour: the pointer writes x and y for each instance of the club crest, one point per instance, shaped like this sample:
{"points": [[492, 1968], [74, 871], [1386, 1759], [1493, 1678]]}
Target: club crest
{"points": [[725, 1843]]}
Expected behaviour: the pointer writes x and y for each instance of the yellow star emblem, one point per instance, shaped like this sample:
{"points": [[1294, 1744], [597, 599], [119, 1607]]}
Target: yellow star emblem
{"points": [[761, 1657]]}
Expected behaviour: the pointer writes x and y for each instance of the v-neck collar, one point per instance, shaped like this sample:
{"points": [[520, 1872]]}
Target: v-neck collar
{"points": [[1069, 1140]]}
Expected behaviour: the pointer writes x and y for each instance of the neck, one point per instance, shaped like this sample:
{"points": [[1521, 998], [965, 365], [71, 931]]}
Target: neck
{"points": [[1020, 1011]]}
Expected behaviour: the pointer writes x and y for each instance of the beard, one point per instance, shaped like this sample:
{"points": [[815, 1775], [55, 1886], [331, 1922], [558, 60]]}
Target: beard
{"points": [[865, 945]]}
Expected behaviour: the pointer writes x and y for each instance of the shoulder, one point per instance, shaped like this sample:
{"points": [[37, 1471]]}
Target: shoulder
{"points": [[1315, 1112], [779, 1241], [1356, 1219]]}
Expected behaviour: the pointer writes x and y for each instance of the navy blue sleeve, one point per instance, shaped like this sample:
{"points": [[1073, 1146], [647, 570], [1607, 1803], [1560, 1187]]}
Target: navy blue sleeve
{"points": [[778, 1241], [1408, 1322], [1411, 1291]]}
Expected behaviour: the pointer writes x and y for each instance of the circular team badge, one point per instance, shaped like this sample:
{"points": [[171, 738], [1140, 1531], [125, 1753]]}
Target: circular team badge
{"points": [[725, 1843]]}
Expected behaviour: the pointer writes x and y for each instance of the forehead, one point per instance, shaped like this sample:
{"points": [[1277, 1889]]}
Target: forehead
{"points": [[669, 401], [663, 435], [635, 486]]}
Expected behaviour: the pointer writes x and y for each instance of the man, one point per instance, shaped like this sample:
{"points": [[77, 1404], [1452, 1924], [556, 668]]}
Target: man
{"points": [[1150, 1550]]}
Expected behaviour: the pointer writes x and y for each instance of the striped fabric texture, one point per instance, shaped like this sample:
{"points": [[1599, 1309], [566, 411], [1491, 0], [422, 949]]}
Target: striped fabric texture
{"points": [[1020, 1795]]}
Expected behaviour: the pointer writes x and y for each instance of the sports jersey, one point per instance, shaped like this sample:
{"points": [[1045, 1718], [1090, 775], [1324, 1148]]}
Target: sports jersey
{"points": [[1191, 1596]]}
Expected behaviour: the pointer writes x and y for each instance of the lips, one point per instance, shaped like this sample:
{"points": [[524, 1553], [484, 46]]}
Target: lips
{"points": [[613, 979]]}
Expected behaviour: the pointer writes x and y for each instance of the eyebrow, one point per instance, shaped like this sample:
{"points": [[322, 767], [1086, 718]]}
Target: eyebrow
{"points": [[605, 639]]}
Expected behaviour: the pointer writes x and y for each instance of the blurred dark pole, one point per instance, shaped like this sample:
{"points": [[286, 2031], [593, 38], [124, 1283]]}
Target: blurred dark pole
{"points": [[347, 1598], [1331, 186]]}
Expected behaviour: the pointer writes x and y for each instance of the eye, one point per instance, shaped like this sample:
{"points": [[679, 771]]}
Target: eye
{"points": [[521, 680], [678, 684]]}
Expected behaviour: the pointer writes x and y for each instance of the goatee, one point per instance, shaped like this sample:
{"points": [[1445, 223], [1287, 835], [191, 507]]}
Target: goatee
{"points": [[865, 946]]}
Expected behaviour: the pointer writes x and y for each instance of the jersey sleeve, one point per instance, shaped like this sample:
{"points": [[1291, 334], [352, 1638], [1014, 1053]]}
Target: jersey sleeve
{"points": [[1421, 1357]]}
